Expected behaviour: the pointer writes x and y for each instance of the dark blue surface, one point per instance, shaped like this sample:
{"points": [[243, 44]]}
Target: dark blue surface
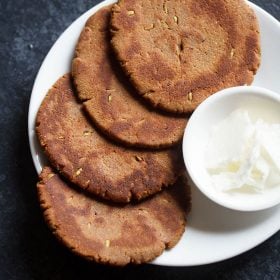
{"points": [[28, 28]]}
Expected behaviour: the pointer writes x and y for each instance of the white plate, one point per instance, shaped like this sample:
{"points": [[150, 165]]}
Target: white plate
{"points": [[213, 232]]}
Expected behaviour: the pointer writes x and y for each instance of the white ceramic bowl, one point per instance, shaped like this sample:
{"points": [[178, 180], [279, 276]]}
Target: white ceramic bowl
{"points": [[259, 102]]}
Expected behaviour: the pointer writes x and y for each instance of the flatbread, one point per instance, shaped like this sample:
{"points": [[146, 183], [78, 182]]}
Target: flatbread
{"points": [[179, 52], [86, 158], [108, 98], [113, 234]]}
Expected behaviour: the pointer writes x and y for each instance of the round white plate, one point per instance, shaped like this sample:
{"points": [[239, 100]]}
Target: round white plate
{"points": [[213, 233]]}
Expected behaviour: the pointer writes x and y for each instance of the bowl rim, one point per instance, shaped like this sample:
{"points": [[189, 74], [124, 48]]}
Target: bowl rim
{"points": [[225, 93]]}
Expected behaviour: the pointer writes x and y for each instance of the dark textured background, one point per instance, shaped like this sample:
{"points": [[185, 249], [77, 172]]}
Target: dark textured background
{"points": [[28, 28]]}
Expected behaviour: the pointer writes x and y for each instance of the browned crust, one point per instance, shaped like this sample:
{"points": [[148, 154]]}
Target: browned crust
{"points": [[195, 48], [84, 157], [109, 99], [113, 234]]}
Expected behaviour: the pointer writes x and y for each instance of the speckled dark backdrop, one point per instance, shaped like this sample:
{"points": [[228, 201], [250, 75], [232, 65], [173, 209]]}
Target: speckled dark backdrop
{"points": [[28, 28]]}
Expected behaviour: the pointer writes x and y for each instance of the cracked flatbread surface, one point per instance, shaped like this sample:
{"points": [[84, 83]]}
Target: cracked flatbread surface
{"points": [[179, 52], [108, 97], [113, 234], [86, 158]]}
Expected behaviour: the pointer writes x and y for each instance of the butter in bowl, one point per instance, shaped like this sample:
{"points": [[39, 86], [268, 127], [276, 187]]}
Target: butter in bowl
{"points": [[232, 148]]}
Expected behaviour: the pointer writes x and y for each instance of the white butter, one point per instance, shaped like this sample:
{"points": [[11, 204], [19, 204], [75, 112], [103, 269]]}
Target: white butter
{"points": [[244, 155]]}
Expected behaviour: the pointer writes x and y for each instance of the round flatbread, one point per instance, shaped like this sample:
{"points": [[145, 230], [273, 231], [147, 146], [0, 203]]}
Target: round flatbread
{"points": [[179, 52], [109, 233], [109, 99], [89, 160]]}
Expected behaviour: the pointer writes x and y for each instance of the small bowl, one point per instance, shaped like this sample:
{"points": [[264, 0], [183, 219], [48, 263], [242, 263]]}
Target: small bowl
{"points": [[259, 102]]}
